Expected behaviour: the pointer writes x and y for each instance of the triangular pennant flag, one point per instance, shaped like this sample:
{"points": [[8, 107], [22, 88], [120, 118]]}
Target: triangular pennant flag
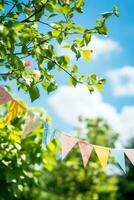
{"points": [[120, 158], [102, 153], [15, 109], [32, 122], [50, 134], [130, 154], [4, 96], [85, 149], [67, 143]]}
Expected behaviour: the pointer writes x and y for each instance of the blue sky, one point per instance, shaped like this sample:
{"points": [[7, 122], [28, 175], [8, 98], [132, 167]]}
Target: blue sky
{"points": [[114, 60]]}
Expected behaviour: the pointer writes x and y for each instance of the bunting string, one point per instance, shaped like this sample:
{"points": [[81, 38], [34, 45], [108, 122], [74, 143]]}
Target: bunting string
{"points": [[68, 142]]}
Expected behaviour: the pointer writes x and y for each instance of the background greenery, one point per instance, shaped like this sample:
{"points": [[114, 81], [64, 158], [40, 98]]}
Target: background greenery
{"points": [[28, 171]]}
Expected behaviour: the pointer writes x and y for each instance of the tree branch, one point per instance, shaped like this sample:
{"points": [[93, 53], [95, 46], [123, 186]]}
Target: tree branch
{"points": [[63, 69], [36, 11], [66, 71], [11, 9], [57, 29]]}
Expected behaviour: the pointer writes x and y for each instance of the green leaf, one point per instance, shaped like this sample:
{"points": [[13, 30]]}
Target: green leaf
{"points": [[50, 65], [1, 7], [90, 88], [99, 86], [65, 59], [24, 49], [94, 78], [55, 33], [86, 54], [52, 86], [79, 3], [13, 15], [116, 11], [87, 37], [65, 46], [58, 9], [34, 93], [73, 80], [107, 14], [19, 26]]}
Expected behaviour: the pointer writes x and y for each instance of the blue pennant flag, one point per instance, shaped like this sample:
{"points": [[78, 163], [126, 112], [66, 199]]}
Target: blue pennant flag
{"points": [[120, 158], [50, 134]]}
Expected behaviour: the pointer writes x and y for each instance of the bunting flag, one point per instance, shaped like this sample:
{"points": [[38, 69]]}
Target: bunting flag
{"points": [[32, 122], [50, 134], [120, 158], [86, 150], [4, 96], [102, 153], [130, 154], [67, 143], [14, 110]]}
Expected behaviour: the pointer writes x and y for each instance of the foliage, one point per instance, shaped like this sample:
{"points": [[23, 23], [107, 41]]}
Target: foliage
{"points": [[32, 30], [18, 160], [29, 172]]}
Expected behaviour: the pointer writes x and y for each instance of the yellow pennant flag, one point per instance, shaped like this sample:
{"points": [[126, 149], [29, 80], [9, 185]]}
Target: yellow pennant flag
{"points": [[102, 153], [14, 110]]}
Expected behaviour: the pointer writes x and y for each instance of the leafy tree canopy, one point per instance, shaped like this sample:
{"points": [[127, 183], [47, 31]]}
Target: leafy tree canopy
{"points": [[31, 30]]}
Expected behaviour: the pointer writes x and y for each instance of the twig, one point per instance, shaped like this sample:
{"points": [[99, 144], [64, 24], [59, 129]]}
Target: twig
{"points": [[11, 9], [66, 71], [57, 29], [63, 69], [36, 11]]}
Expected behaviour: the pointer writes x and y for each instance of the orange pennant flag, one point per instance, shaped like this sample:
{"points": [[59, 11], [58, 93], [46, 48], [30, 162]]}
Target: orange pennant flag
{"points": [[4, 96], [86, 150], [102, 153], [67, 143], [15, 109]]}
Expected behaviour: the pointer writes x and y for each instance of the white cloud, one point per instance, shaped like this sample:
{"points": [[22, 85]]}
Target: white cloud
{"points": [[102, 48], [69, 103], [122, 81]]}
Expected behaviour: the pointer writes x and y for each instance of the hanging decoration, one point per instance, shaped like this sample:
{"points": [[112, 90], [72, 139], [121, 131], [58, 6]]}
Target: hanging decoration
{"points": [[67, 142], [130, 154], [120, 158], [4, 96], [32, 122], [102, 153], [86, 150], [15, 109], [50, 134]]}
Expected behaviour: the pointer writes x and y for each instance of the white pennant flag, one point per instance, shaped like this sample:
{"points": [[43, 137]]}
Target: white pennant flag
{"points": [[32, 122]]}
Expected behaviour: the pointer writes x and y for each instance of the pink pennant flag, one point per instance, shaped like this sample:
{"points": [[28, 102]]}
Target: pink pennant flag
{"points": [[4, 96], [130, 154], [67, 143], [86, 150]]}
